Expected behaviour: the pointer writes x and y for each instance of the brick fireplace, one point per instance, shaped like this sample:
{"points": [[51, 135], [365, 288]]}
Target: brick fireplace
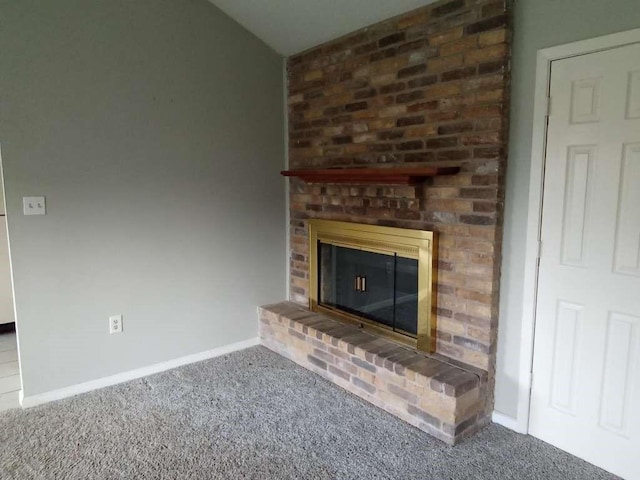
{"points": [[427, 88]]}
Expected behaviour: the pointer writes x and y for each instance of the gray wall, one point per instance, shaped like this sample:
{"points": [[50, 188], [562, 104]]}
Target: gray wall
{"points": [[155, 130], [537, 24]]}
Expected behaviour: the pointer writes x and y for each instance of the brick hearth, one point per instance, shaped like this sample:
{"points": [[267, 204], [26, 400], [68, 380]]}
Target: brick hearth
{"points": [[441, 397]]}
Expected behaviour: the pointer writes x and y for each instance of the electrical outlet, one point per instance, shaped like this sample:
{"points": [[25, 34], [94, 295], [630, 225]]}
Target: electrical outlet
{"points": [[115, 324]]}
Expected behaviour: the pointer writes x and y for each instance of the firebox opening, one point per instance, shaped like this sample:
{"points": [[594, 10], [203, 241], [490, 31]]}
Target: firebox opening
{"points": [[378, 277], [381, 288]]}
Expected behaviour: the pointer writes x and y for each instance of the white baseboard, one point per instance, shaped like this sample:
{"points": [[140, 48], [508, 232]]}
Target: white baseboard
{"points": [[506, 421], [41, 398]]}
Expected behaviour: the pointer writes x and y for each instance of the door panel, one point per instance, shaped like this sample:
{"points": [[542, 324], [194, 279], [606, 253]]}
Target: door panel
{"points": [[617, 382], [569, 323], [633, 98], [587, 343], [627, 258], [577, 199], [585, 100]]}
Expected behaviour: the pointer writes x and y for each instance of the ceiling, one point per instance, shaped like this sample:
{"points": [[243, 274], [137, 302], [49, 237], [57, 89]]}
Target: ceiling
{"points": [[292, 26]]}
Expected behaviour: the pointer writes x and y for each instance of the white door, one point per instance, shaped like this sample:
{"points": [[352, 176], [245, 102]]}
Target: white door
{"points": [[586, 386]]}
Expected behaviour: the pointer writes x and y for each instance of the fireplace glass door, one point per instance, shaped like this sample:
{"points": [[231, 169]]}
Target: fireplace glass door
{"points": [[379, 288]]}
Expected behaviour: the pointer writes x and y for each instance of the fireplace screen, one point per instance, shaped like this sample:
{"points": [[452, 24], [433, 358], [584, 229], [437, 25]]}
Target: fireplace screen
{"points": [[381, 288], [377, 277]]}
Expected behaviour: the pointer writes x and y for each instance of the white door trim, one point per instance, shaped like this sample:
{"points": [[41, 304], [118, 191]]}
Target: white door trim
{"points": [[534, 218]]}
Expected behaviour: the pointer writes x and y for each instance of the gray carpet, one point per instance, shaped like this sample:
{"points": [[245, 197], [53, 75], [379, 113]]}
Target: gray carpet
{"points": [[253, 415]]}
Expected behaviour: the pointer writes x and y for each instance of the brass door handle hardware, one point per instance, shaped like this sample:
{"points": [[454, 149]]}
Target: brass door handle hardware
{"points": [[361, 283]]}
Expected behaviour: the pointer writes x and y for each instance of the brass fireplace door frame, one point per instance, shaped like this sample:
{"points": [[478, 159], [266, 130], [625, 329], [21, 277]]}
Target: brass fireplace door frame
{"points": [[414, 244]]}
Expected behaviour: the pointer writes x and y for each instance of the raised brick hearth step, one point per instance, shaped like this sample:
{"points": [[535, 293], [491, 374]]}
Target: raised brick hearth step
{"points": [[436, 394]]}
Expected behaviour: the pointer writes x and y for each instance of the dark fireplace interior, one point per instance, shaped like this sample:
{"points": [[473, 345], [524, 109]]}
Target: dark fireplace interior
{"points": [[380, 288]]}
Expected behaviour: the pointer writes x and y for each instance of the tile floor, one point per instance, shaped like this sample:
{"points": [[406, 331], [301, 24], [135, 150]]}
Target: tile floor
{"points": [[9, 372]]}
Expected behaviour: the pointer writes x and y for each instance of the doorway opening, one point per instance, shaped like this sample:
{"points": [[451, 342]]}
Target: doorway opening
{"points": [[10, 382]]}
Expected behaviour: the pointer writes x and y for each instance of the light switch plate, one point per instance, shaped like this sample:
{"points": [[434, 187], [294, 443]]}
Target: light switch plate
{"points": [[34, 206]]}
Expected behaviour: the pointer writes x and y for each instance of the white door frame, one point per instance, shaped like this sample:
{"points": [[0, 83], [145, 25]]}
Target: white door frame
{"points": [[536, 185]]}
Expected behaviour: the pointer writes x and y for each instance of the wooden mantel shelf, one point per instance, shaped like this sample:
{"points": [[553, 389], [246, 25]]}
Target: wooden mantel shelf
{"points": [[380, 176]]}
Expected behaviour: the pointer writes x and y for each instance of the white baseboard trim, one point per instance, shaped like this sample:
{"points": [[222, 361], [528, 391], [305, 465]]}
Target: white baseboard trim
{"points": [[41, 398], [506, 421]]}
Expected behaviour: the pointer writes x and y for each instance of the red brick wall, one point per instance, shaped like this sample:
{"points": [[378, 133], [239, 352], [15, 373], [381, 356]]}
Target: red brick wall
{"points": [[426, 88]]}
